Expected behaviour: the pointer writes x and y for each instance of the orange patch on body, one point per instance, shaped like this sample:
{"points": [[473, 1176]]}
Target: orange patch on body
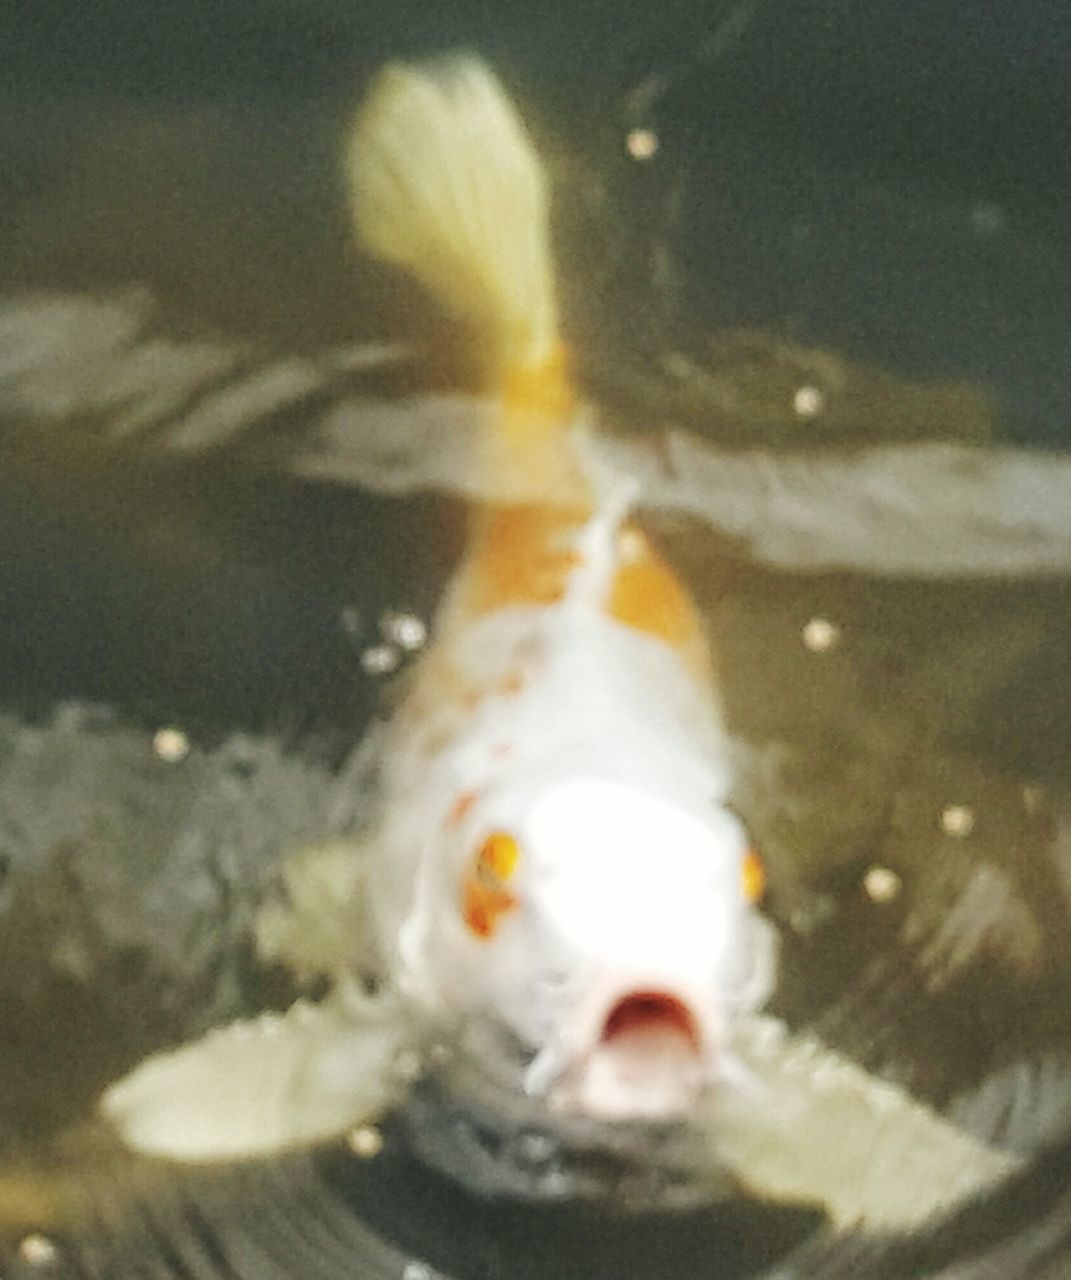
{"points": [[540, 398], [530, 444], [647, 595], [521, 555]]}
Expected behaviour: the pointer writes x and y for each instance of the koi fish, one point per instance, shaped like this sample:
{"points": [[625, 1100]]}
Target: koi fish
{"points": [[554, 882], [556, 855]]}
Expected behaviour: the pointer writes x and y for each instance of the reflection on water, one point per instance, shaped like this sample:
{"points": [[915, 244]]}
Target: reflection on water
{"points": [[892, 624]]}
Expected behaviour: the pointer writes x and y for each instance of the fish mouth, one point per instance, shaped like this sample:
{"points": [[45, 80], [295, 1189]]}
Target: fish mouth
{"points": [[649, 1060], [475, 1118], [645, 1015]]}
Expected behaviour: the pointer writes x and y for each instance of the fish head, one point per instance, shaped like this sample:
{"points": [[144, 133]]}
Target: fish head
{"points": [[609, 933]]}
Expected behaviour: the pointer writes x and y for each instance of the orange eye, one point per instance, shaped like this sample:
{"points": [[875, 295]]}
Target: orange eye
{"points": [[484, 896], [498, 856], [752, 876]]}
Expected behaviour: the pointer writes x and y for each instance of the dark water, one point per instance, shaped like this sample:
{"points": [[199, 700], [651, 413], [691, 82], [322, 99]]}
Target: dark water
{"points": [[884, 188]]}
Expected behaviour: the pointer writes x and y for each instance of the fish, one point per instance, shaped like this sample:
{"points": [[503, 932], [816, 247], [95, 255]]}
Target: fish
{"points": [[554, 854], [557, 855], [552, 887]]}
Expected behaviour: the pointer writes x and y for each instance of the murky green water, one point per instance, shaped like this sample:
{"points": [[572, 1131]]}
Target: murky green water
{"points": [[902, 735]]}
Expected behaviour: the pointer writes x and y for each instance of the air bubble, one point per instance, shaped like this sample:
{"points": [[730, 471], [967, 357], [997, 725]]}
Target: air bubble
{"points": [[820, 635], [417, 1271], [631, 545], [380, 660], [366, 1141], [170, 745], [808, 402], [957, 820], [882, 884], [37, 1250], [405, 630], [641, 144]]}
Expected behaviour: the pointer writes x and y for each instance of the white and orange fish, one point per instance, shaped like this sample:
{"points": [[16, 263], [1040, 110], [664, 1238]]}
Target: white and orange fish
{"points": [[554, 877], [556, 855]]}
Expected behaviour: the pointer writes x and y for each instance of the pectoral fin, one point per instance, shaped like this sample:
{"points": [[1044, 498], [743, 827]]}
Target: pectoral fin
{"points": [[256, 1087], [812, 1126]]}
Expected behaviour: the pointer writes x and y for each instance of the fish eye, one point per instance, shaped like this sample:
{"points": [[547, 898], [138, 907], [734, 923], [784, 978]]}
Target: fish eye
{"points": [[753, 876], [485, 897], [498, 856]]}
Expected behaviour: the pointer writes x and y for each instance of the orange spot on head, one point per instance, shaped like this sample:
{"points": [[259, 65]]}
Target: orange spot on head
{"points": [[476, 911], [753, 876], [460, 807], [484, 905], [484, 896]]}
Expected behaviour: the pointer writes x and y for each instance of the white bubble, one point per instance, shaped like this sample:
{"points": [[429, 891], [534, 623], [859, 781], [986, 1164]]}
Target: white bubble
{"points": [[171, 745], [957, 820], [365, 1141], [641, 144], [882, 884], [37, 1250], [820, 635], [416, 1271], [808, 402], [380, 659], [631, 545], [405, 630]]}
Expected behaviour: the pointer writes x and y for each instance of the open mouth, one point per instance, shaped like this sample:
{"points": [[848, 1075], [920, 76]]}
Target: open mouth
{"points": [[647, 1063], [651, 1015], [606, 1126]]}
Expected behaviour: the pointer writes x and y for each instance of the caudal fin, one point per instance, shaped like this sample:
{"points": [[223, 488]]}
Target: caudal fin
{"points": [[446, 184]]}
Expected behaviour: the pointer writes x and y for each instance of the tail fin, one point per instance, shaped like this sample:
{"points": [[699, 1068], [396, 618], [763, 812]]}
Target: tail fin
{"points": [[446, 184]]}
